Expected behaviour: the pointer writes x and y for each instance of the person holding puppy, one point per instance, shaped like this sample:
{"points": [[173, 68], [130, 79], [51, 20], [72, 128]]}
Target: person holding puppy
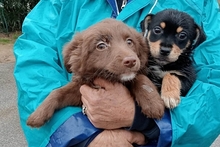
{"points": [[112, 116]]}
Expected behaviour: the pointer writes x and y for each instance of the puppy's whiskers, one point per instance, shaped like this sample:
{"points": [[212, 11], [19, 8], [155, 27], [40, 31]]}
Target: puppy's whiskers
{"points": [[105, 74]]}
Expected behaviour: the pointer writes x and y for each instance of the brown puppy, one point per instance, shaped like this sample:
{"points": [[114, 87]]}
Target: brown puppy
{"points": [[110, 50]]}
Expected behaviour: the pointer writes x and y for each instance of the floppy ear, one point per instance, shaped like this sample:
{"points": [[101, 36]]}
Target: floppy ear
{"points": [[71, 52], [200, 37], [145, 24]]}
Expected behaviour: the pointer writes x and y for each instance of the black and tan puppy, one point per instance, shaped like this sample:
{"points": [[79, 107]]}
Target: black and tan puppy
{"points": [[110, 50], [172, 35]]}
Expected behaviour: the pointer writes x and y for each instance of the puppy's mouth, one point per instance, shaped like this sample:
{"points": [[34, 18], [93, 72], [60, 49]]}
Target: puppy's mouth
{"points": [[127, 76], [162, 60], [112, 76]]}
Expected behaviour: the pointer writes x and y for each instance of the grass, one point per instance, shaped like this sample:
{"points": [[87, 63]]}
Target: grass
{"points": [[5, 41], [9, 38]]}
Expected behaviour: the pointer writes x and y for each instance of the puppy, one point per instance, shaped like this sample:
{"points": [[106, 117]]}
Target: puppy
{"points": [[110, 50], [172, 36]]}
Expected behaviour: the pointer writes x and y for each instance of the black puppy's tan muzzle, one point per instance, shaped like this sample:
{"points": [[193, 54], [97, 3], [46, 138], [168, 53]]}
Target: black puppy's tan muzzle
{"points": [[165, 51]]}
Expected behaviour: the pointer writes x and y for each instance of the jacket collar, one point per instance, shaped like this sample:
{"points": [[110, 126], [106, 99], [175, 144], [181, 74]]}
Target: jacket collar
{"points": [[131, 7]]}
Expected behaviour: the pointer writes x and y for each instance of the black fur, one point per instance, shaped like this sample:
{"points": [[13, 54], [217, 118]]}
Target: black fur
{"points": [[185, 39]]}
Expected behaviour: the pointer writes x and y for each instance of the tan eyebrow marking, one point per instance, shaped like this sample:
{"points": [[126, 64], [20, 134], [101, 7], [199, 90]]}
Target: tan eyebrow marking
{"points": [[179, 29], [163, 25]]}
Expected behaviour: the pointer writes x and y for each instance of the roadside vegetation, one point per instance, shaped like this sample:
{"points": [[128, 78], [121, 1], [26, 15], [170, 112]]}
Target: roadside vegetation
{"points": [[9, 38], [12, 14]]}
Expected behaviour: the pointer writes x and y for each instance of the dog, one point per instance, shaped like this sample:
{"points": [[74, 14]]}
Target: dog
{"points": [[172, 36], [110, 50]]}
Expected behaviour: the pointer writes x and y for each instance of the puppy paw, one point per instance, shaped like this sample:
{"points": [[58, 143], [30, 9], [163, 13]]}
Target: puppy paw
{"points": [[153, 109], [38, 119], [35, 122], [170, 91], [154, 112], [170, 100]]}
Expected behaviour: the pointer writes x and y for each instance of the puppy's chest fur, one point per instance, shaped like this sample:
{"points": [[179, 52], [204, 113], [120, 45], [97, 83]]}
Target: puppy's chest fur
{"points": [[181, 68], [155, 73]]}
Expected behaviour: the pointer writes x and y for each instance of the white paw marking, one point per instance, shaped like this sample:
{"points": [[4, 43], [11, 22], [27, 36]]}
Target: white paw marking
{"points": [[171, 102], [148, 88]]}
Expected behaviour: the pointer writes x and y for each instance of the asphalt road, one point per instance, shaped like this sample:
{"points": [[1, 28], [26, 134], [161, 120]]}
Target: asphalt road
{"points": [[11, 134]]}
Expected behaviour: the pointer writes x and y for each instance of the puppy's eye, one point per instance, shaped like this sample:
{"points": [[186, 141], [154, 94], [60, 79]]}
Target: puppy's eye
{"points": [[101, 45], [182, 35], [158, 30], [129, 41]]}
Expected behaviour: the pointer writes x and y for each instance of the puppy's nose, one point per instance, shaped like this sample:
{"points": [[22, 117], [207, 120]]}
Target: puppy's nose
{"points": [[129, 62], [165, 51]]}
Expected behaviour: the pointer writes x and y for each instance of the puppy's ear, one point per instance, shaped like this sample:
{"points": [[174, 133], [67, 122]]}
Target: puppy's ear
{"points": [[72, 49], [145, 24], [200, 36]]}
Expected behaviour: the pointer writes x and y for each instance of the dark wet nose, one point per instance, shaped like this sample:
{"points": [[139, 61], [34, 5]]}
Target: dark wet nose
{"points": [[129, 62], [165, 51]]}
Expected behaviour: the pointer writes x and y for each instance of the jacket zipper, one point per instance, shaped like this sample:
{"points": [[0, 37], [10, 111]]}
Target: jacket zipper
{"points": [[124, 3]]}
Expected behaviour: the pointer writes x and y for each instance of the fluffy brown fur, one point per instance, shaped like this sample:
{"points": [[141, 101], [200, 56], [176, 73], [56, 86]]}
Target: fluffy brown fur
{"points": [[110, 50]]}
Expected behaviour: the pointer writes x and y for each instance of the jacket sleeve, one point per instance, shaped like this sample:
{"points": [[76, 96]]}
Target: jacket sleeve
{"points": [[196, 121], [157, 132], [76, 131], [39, 68]]}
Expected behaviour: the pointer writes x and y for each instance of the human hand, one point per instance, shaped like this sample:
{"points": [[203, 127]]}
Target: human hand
{"points": [[117, 138], [109, 107]]}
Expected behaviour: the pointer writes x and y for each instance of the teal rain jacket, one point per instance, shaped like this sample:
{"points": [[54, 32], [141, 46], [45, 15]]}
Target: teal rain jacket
{"points": [[39, 69]]}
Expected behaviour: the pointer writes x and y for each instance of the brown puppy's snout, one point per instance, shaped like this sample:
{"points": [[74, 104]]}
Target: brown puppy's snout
{"points": [[165, 51], [129, 61]]}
